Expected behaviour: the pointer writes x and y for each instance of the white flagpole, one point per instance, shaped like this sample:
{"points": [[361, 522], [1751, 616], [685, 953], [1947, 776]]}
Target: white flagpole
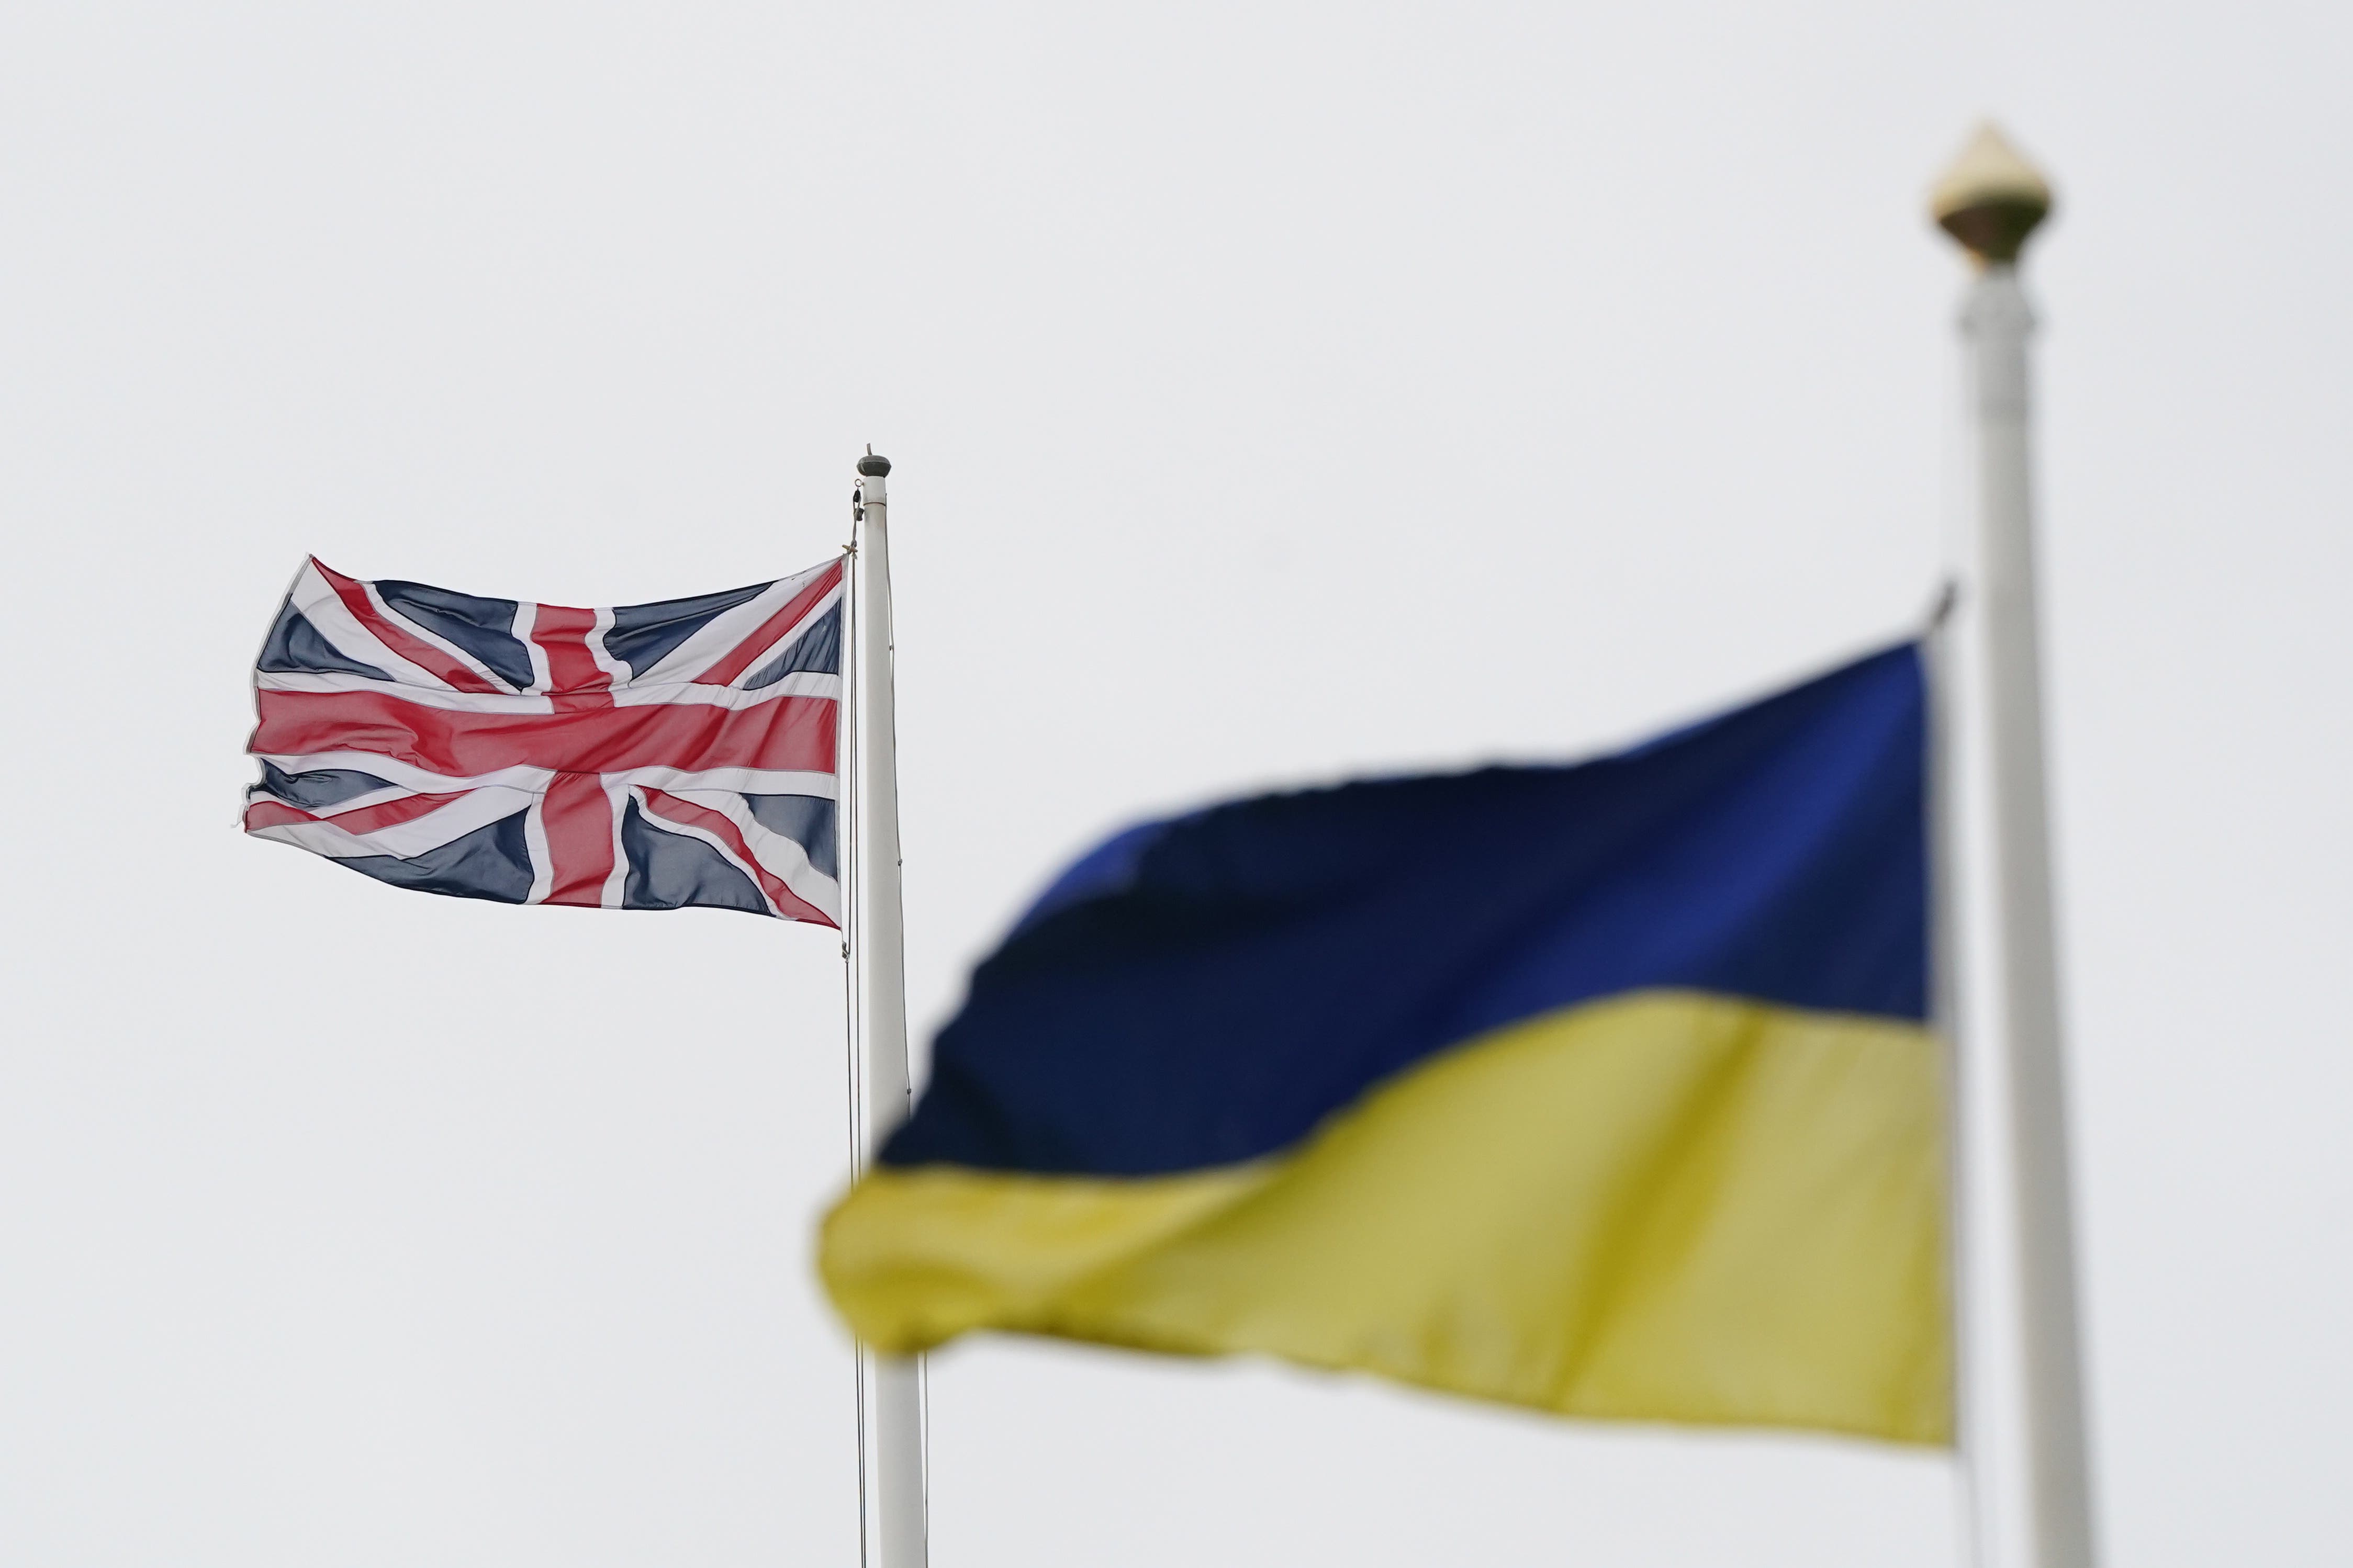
{"points": [[893, 1514], [2021, 1404]]}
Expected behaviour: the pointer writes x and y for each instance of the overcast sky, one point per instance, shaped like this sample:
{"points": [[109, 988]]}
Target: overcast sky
{"points": [[1277, 392]]}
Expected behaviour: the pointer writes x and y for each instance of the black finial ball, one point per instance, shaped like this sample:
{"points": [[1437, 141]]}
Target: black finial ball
{"points": [[872, 466]]}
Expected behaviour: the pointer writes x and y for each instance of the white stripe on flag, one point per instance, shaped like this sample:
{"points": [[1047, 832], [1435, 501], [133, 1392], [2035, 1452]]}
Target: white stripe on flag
{"points": [[405, 840], [425, 633], [316, 598], [784, 858]]}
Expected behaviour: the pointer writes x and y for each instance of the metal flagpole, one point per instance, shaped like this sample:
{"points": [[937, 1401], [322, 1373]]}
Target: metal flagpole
{"points": [[2022, 1426], [892, 1523]]}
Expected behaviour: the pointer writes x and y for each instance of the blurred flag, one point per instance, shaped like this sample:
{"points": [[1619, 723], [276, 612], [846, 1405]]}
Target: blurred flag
{"points": [[648, 757], [1605, 1089]]}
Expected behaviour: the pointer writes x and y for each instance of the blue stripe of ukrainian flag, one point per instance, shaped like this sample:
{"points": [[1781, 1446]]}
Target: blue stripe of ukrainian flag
{"points": [[1605, 1089]]}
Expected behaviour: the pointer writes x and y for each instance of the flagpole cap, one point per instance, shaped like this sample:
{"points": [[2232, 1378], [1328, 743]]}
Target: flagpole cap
{"points": [[872, 466], [1991, 199]]}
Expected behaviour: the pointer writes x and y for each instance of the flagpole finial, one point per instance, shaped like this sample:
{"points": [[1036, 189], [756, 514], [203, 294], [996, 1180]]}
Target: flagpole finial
{"points": [[1991, 199], [872, 466]]}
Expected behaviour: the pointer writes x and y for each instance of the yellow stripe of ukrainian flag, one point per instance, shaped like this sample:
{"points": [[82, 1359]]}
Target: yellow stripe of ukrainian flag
{"points": [[1667, 1205]]}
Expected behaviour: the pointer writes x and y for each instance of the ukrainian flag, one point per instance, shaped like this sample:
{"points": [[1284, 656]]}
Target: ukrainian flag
{"points": [[1603, 1089]]}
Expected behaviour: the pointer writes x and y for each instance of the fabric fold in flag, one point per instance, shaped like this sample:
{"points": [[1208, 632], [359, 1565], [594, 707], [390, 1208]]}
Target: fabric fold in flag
{"points": [[651, 756], [1605, 1089]]}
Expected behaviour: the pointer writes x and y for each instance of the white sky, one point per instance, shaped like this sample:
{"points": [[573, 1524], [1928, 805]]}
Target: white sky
{"points": [[1277, 391]]}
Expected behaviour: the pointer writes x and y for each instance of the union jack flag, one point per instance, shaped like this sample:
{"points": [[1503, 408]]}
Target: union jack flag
{"points": [[648, 757]]}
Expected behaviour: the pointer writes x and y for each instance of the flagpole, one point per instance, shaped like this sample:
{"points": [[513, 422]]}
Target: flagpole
{"points": [[892, 1512], [2022, 1425]]}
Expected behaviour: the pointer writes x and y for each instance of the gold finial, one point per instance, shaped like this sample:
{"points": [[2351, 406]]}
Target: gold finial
{"points": [[1991, 199]]}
